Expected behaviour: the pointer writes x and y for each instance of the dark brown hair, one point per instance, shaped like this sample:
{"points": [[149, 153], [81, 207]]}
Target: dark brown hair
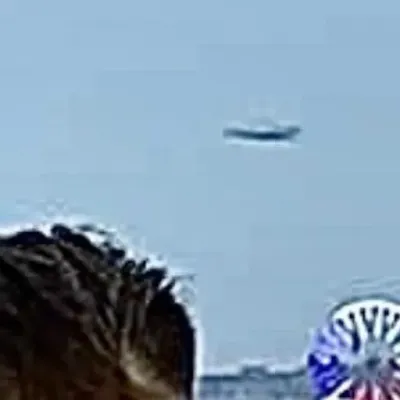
{"points": [[79, 320]]}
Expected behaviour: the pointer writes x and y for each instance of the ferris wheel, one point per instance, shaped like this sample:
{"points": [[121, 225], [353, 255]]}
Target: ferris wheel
{"points": [[355, 354]]}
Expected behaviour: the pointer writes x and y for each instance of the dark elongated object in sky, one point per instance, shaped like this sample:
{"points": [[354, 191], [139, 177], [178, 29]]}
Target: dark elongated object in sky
{"points": [[273, 132]]}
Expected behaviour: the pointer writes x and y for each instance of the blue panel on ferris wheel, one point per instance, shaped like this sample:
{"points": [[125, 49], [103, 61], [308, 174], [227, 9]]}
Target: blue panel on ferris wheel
{"points": [[356, 353], [326, 376]]}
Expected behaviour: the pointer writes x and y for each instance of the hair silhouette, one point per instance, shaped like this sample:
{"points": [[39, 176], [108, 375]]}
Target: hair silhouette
{"points": [[83, 321]]}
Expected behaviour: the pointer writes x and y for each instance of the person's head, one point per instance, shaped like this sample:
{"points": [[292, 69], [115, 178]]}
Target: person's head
{"points": [[79, 320]]}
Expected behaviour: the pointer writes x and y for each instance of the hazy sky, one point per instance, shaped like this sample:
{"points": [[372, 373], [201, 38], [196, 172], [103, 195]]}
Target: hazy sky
{"points": [[115, 109]]}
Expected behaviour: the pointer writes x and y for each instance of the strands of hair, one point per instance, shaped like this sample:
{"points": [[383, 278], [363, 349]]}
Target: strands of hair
{"points": [[80, 320]]}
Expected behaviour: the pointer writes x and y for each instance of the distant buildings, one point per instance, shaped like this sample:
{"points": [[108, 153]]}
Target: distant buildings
{"points": [[254, 382]]}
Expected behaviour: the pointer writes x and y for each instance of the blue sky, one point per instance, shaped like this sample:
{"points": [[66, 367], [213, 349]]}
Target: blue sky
{"points": [[115, 109]]}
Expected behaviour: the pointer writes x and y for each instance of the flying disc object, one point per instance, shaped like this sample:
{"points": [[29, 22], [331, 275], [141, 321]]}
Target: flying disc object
{"points": [[356, 353]]}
